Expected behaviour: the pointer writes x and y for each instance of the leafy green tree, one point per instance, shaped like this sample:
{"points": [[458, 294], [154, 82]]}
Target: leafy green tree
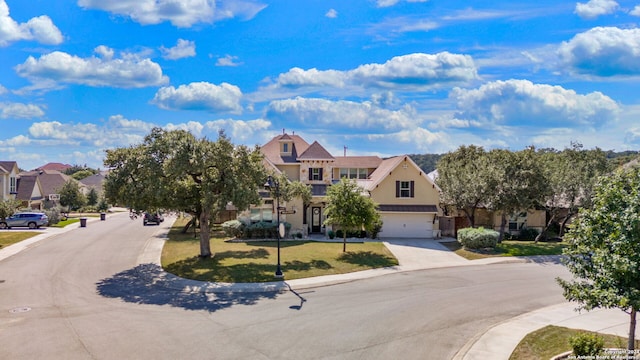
{"points": [[174, 170], [571, 175], [92, 197], [349, 209], [465, 180], [8, 207], [71, 196], [291, 189], [604, 249], [519, 183]]}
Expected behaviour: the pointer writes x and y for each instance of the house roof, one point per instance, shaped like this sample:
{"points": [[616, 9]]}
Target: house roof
{"points": [[7, 166], [315, 152], [271, 150], [369, 162], [25, 185], [388, 165], [50, 180], [54, 166], [94, 180]]}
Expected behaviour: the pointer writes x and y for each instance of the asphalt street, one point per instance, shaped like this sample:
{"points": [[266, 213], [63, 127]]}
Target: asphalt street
{"points": [[82, 294]]}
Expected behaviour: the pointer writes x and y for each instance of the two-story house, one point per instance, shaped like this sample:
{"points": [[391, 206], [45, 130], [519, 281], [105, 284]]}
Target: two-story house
{"points": [[407, 198], [8, 179]]}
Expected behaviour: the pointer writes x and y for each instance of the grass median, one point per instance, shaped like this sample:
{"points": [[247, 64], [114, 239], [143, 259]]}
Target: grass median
{"points": [[255, 261], [11, 237], [508, 248]]}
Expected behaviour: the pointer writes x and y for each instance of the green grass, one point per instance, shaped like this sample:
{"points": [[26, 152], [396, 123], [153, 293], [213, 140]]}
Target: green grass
{"points": [[11, 237], [553, 340], [64, 223], [509, 248], [255, 261]]}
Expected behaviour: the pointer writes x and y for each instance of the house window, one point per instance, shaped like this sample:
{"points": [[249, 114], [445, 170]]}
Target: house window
{"points": [[285, 147], [354, 173], [12, 185], [362, 173], [315, 174], [405, 189], [258, 215]]}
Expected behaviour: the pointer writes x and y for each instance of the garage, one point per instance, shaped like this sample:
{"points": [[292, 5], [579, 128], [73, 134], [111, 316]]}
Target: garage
{"points": [[406, 225]]}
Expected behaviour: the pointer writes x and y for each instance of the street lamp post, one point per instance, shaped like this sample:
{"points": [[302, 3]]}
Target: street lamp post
{"points": [[274, 184]]}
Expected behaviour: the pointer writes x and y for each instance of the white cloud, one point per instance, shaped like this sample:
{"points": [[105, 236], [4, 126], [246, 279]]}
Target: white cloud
{"points": [[19, 140], [239, 130], [183, 49], [20, 111], [340, 114], [408, 72], [40, 29], [332, 14], [125, 72], [523, 103], [603, 51], [3, 90], [635, 11], [200, 96], [387, 3], [227, 60], [181, 13], [595, 8]]}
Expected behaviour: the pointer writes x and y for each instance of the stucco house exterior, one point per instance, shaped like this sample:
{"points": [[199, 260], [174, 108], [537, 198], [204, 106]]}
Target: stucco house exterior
{"points": [[8, 179], [407, 198]]}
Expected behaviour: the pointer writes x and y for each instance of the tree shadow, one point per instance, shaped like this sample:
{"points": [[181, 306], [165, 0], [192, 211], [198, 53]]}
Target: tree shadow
{"points": [[368, 258], [251, 254], [297, 265], [149, 284]]}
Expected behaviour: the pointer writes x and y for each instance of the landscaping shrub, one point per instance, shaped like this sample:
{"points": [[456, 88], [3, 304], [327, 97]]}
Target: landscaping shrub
{"points": [[331, 234], [586, 344], [54, 215], [477, 238], [528, 234], [374, 229], [233, 228]]}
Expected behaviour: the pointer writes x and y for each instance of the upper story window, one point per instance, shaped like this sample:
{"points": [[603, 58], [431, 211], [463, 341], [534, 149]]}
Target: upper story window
{"points": [[353, 173], [315, 174], [285, 148], [12, 185], [405, 189]]}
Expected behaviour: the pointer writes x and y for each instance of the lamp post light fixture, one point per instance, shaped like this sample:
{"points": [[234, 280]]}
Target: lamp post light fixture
{"points": [[275, 185]]}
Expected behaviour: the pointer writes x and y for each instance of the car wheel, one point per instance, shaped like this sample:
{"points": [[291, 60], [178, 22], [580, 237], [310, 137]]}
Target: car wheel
{"points": [[3, 225], [32, 225]]}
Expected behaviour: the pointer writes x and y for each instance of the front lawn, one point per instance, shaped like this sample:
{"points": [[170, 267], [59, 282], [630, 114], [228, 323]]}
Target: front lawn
{"points": [[509, 248], [11, 237], [255, 261], [553, 340]]}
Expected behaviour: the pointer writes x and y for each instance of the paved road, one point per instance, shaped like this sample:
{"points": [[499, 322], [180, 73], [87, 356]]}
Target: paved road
{"points": [[80, 295]]}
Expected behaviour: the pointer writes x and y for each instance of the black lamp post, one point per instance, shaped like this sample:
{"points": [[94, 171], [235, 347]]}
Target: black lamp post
{"points": [[274, 184]]}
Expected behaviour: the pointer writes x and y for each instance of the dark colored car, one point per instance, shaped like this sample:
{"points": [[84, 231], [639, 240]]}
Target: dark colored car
{"points": [[155, 218], [32, 220]]}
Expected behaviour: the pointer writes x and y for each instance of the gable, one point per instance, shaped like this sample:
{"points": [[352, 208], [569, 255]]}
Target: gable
{"points": [[401, 181]]}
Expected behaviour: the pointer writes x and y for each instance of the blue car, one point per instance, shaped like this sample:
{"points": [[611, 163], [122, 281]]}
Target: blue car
{"points": [[32, 220]]}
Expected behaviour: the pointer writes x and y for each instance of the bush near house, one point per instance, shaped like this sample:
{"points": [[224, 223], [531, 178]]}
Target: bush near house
{"points": [[478, 238], [257, 230]]}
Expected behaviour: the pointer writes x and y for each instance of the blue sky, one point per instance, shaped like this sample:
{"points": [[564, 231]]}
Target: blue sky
{"points": [[383, 77]]}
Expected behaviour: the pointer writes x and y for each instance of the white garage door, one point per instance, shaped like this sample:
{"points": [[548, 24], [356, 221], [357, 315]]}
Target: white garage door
{"points": [[407, 225]]}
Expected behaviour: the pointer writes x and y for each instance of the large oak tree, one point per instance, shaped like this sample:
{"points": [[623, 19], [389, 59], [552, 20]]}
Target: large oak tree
{"points": [[174, 170]]}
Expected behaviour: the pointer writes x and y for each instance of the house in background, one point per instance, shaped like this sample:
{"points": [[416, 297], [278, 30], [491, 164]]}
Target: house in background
{"points": [[55, 167], [407, 198], [51, 181], [8, 180], [30, 192], [94, 181]]}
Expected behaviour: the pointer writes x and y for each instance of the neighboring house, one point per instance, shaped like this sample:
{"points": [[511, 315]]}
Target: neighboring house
{"points": [[8, 180], [94, 181], [54, 166], [51, 181], [407, 198], [30, 192], [526, 218]]}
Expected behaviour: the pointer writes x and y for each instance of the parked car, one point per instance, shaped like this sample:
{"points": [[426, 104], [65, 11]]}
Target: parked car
{"points": [[32, 220], [155, 218]]}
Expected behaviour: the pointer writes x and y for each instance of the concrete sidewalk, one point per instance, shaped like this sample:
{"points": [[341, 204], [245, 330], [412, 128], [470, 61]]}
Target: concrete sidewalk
{"points": [[496, 343]]}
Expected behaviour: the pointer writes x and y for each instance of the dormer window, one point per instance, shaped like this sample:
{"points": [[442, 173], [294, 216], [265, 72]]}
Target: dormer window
{"points": [[285, 147]]}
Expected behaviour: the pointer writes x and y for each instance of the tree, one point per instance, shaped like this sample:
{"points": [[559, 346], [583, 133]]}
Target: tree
{"points": [[604, 249], [8, 207], [518, 182], [465, 180], [71, 196], [92, 197], [571, 175], [174, 170], [349, 209]]}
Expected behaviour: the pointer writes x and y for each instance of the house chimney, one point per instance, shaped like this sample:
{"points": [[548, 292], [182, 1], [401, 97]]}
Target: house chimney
{"points": [[345, 150]]}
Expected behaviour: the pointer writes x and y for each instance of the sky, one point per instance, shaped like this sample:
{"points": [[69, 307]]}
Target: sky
{"points": [[379, 77]]}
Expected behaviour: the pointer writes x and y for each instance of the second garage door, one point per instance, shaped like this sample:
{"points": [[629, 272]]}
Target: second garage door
{"points": [[407, 225]]}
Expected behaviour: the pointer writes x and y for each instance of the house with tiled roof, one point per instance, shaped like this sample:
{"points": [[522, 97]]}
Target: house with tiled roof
{"points": [[30, 192], [50, 182], [54, 166], [407, 197]]}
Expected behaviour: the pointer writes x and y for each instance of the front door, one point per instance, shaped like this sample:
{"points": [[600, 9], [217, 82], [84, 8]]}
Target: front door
{"points": [[316, 223]]}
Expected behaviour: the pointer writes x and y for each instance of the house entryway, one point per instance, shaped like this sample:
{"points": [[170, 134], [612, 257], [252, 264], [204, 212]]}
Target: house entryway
{"points": [[316, 219]]}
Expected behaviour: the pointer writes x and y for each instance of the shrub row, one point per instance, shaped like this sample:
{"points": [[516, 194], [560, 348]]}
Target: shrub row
{"points": [[258, 230], [478, 238]]}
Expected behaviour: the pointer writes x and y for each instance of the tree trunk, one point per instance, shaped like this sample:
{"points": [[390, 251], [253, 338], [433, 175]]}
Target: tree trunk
{"points": [[344, 240], [503, 221], [564, 223], [205, 246], [543, 234], [632, 330]]}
